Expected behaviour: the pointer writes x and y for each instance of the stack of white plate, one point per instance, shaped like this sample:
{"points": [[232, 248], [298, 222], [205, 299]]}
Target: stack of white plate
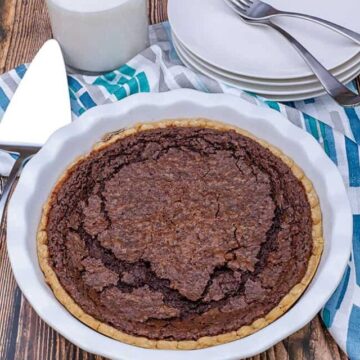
{"points": [[211, 38]]}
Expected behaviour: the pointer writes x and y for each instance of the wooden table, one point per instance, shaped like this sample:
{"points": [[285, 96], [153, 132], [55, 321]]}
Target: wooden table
{"points": [[24, 26]]}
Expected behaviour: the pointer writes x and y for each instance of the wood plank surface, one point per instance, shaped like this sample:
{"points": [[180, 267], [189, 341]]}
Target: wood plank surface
{"points": [[24, 26]]}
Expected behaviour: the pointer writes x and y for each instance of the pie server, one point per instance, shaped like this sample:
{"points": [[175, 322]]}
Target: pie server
{"points": [[39, 106]]}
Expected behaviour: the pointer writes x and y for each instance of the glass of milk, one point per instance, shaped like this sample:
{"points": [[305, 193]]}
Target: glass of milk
{"points": [[99, 35]]}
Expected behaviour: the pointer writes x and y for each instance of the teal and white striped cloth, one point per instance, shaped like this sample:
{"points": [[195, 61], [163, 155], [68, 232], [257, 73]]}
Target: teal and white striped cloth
{"points": [[158, 69]]}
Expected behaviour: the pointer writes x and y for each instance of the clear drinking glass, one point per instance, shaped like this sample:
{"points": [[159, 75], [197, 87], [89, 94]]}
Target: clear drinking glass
{"points": [[99, 35]]}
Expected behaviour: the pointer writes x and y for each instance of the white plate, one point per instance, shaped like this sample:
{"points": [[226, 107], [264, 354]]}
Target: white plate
{"points": [[309, 80], [42, 172], [273, 93], [282, 98], [211, 30], [278, 89]]}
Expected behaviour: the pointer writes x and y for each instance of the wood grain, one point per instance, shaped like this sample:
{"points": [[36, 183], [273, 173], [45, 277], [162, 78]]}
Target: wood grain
{"points": [[24, 26]]}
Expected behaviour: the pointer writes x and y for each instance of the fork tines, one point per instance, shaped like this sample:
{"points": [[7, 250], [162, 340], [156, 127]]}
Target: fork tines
{"points": [[245, 3]]}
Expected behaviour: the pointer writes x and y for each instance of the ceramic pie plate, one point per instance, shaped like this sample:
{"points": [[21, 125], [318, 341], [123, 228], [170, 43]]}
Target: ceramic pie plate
{"points": [[77, 139]]}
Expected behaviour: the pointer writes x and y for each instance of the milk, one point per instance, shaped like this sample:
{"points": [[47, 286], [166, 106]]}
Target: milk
{"points": [[99, 35]]}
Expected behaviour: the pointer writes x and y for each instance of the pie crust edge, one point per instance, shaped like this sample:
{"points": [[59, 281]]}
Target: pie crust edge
{"points": [[203, 342]]}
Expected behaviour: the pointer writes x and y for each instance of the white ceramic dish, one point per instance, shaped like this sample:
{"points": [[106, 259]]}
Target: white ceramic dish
{"points": [[272, 93], [65, 145], [310, 81], [223, 40], [271, 89]]}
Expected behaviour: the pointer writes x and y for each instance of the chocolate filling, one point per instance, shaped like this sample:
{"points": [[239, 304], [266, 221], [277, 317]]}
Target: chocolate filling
{"points": [[180, 233]]}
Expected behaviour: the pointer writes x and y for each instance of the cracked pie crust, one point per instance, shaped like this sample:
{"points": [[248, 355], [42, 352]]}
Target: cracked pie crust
{"points": [[181, 234]]}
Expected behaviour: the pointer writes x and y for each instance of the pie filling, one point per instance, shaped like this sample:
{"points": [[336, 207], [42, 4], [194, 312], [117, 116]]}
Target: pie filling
{"points": [[179, 233]]}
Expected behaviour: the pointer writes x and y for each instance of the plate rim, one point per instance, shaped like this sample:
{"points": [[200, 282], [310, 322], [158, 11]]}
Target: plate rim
{"points": [[274, 96], [355, 62], [272, 90]]}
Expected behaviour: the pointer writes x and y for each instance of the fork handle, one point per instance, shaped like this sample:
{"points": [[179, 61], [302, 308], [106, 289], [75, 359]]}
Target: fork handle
{"points": [[352, 35], [333, 86], [23, 158]]}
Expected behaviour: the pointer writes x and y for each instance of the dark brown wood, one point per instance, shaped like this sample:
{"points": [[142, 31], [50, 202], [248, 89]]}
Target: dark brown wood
{"points": [[24, 26], [157, 11]]}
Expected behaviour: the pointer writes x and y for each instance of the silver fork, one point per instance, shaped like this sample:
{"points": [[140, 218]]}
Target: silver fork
{"points": [[339, 92], [261, 10]]}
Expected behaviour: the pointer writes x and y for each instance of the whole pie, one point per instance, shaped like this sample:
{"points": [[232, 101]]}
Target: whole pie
{"points": [[180, 234]]}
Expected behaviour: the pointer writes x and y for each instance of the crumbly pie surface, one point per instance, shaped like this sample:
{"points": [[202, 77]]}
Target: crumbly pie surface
{"points": [[181, 234]]}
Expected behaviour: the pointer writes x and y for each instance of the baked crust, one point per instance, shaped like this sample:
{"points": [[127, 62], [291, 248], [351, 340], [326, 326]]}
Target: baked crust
{"points": [[203, 342]]}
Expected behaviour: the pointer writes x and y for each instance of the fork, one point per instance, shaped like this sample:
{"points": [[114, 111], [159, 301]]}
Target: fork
{"points": [[339, 92], [261, 10]]}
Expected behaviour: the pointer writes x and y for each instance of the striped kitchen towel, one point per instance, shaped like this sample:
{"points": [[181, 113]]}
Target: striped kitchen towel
{"points": [[158, 69]]}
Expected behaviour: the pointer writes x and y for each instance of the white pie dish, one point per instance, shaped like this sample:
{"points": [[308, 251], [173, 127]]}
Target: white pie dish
{"points": [[67, 144]]}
